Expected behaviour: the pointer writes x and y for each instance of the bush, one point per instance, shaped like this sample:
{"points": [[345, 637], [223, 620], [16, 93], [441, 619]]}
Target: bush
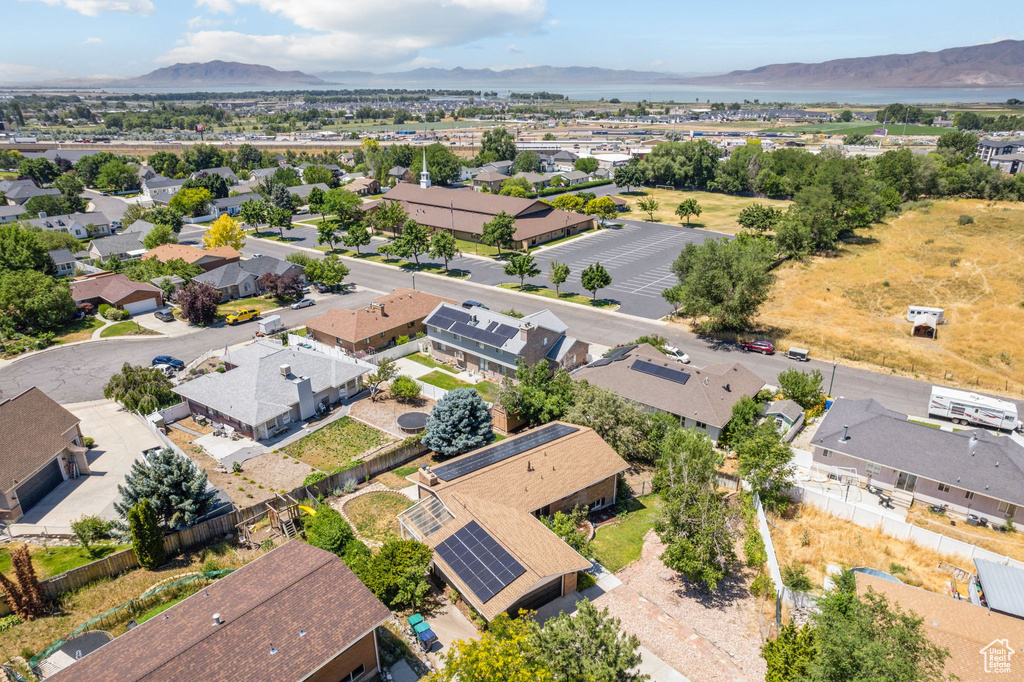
{"points": [[314, 477], [328, 530], [8, 622], [357, 557], [584, 580], [45, 340], [401, 339], [88, 443], [965, 220], [548, 191], [405, 388], [105, 310], [88, 530], [794, 576], [392, 565], [762, 586]]}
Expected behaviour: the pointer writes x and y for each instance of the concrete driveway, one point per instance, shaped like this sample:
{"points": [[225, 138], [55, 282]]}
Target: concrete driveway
{"points": [[120, 439]]}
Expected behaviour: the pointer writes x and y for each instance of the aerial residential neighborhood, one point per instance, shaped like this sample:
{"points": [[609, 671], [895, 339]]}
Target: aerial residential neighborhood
{"points": [[348, 343]]}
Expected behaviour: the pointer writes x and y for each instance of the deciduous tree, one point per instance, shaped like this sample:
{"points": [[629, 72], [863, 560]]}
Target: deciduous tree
{"points": [[198, 302], [766, 464], [759, 218], [558, 273], [140, 389], [357, 236], [505, 652], [225, 231], [594, 278], [522, 266], [568, 202], [191, 202], [688, 208], [648, 205], [444, 246], [414, 240], [160, 234], [604, 208], [328, 530], [587, 164], [404, 388], [526, 162], [500, 231], [588, 645], [253, 212], [803, 388], [385, 372]]}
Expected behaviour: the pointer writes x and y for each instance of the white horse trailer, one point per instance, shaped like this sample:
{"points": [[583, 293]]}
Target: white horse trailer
{"points": [[970, 408]]}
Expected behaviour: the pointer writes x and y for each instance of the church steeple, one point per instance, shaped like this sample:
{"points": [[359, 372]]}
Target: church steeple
{"points": [[424, 174]]}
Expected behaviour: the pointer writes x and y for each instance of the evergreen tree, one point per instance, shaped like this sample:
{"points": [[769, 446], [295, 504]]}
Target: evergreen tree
{"points": [[140, 389], [789, 654], [147, 538], [24, 594], [460, 422], [173, 485]]}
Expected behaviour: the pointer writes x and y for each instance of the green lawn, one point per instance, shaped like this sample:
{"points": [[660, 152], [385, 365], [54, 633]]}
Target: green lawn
{"points": [[619, 544], [79, 330], [427, 361], [477, 248], [261, 304], [435, 268], [51, 561], [487, 390], [127, 328], [928, 424], [560, 240], [333, 446], [564, 296], [375, 515]]}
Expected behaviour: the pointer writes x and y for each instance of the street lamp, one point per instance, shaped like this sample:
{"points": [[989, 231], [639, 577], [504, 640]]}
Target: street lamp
{"points": [[414, 281], [833, 379]]}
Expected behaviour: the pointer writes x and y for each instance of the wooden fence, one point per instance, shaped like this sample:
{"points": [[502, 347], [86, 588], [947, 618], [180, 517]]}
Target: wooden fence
{"points": [[405, 451]]}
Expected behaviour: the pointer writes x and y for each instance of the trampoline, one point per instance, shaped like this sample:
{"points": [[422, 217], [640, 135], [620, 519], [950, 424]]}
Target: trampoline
{"points": [[412, 422]]}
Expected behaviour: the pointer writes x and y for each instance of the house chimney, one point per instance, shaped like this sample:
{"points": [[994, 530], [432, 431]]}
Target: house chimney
{"points": [[286, 370], [846, 434], [216, 620], [524, 331], [304, 392], [381, 306]]}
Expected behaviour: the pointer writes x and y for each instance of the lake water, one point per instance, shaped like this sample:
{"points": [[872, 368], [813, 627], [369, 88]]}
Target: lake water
{"points": [[681, 93]]}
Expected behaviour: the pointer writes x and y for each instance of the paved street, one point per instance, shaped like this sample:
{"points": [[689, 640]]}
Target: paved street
{"points": [[77, 373]]}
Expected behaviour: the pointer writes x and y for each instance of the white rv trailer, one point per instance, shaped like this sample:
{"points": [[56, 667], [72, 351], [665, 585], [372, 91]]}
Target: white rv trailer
{"points": [[970, 408]]}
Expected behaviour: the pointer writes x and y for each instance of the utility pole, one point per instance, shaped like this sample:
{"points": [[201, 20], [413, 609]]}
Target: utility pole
{"points": [[833, 379]]}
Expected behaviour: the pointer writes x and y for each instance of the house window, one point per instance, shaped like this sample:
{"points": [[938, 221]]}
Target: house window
{"points": [[1007, 508], [355, 674], [440, 346], [943, 488], [457, 337], [483, 365], [700, 425], [827, 454], [873, 469], [411, 325], [366, 340], [479, 345], [969, 495]]}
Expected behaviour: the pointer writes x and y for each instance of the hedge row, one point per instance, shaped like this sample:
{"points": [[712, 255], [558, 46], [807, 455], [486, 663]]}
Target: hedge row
{"points": [[548, 191]]}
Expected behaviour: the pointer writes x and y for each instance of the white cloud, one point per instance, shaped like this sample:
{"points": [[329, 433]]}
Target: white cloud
{"points": [[514, 50], [92, 41], [196, 23], [93, 8], [365, 33]]}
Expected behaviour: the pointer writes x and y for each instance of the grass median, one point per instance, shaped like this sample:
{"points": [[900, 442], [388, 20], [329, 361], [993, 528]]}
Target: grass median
{"points": [[603, 303]]}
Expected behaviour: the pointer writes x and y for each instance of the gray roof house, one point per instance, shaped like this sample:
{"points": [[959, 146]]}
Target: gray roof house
{"points": [[788, 417], [75, 224], [64, 261], [970, 471], [302, 191], [20, 191], [575, 177], [231, 205], [701, 397], [126, 245], [240, 279], [159, 188], [223, 171], [491, 343], [397, 172], [268, 387], [504, 167], [9, 213]]}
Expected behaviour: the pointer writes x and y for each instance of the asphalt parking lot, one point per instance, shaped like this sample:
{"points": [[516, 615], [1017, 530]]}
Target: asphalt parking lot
{"points": [[637, 255]]}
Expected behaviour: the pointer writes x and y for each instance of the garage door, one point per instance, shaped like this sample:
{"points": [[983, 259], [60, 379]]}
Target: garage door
{"points": [[141, 306], [36, 488]]}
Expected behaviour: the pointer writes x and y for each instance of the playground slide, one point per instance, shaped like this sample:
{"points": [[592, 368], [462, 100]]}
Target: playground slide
{"points": [[308, 510]]}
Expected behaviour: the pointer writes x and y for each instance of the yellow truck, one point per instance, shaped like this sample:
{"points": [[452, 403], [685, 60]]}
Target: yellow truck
{"points": [[242, 315]]}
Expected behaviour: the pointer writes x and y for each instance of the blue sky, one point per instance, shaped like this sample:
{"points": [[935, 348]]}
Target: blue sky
{"points": [[132, 37]]}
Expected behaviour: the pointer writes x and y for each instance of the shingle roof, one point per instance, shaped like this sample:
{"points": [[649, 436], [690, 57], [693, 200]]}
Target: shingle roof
{"points": [[708, 395], [126, 242], [876, 434], [68, 220], [957, 625], [159, 182], [264, 605], [109, 286], [237, 200], [6, 211], [32, 427], [189, 254], [502, 497], [234, 273], [786, 408], [62, 256], [255, 391], [302, 191], [399, 308], [222, 171], [490, 176]]}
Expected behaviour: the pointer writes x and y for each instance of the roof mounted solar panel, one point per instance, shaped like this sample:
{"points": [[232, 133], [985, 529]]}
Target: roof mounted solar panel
{"points": [[661, 372], [502, 451], [479, 561]]}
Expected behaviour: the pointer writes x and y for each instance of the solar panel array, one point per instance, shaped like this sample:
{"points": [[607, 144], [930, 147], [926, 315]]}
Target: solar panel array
{"points": [[445, 317], [660, 371], [502, 451], [458, 322], [485, 566], [613, 356]]}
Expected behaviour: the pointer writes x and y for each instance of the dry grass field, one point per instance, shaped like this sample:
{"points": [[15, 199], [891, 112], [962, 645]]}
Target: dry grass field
{"points": [[854, 306], [815, 538], [719, 210]]}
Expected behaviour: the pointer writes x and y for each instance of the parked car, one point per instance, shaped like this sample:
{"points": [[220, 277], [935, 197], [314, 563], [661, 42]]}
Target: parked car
{"points": [[302, 303], [762, 347], [164, 315], [257, 255], [323, 288], [242, 315], [167, 370], [473, 304], [169, 361], [679, 355]]}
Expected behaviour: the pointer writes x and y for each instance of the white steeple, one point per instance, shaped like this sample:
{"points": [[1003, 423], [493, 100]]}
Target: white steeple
{"points": [[424, 174]]}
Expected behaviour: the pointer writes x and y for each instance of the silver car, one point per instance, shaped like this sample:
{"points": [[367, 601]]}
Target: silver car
{"points": [[302, 303], [679, 355]]}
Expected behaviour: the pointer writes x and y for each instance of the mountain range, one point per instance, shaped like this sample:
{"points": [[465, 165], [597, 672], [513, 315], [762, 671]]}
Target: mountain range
{"points": [[995, 65], [220, 74]]}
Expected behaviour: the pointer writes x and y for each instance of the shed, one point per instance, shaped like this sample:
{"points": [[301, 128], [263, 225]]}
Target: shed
{"points": [[1002, 587], [788, 417]]}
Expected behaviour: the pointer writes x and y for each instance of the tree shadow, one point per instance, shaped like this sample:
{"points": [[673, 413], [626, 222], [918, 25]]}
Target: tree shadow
{"points": [[730, 589]]}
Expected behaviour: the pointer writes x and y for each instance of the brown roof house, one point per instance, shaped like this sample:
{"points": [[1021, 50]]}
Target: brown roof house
{"points": [[40, 448], [363, 186], [491, 343], [117, 290], [207, 259], [701, 397], [464, 212], [295, 613], [481, 515], [379, 324], [980, 641]]}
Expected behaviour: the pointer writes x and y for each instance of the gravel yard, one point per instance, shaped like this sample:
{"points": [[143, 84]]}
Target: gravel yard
{"points": [[386, 410], [705, 637]]}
